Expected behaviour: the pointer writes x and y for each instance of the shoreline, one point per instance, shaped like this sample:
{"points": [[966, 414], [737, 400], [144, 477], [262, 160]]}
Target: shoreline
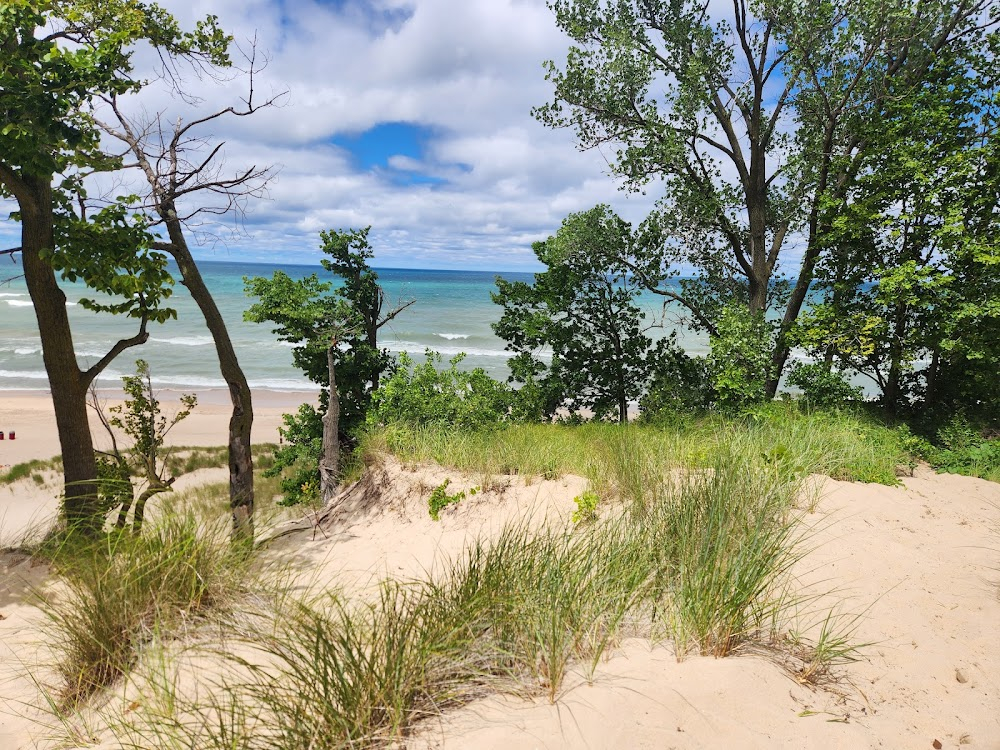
{"points": [[29, 414]]}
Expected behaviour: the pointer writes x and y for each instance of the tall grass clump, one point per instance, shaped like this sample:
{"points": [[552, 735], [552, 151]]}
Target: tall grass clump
{"points": [[117, 592], [701, 557], [731, 542]]}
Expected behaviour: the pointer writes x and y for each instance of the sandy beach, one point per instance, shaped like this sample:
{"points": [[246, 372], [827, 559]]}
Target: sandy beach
{"points": [[917, 563], [29, 415]]}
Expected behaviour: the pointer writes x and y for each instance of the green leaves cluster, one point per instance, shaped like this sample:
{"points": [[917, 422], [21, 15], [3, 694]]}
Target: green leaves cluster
{"points": [[578, 337], [427, 394]]}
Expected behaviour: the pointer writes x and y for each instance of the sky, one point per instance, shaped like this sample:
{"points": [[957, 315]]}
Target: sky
{"points": [[412, 116]]}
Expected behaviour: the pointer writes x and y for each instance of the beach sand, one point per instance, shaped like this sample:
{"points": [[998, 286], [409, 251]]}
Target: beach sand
{"points": [[29, 415], [918, 564]]}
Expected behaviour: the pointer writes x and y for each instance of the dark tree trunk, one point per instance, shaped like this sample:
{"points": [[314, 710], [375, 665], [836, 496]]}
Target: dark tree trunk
{"points": [[329, 462], [241, 485], [81, 505]]}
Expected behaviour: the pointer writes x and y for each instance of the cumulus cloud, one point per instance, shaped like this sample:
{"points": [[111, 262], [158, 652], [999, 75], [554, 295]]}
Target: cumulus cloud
{"points": [[487, 178]]}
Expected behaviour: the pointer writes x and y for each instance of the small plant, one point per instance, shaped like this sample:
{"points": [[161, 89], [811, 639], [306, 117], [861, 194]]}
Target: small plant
{"points": [[140, 419], [586, 507], [440, 499]]}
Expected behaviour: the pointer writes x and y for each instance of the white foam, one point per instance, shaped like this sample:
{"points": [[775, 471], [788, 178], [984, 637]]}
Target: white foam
{"points": [[23, 350], [11, 294], [19, 303], [452, 336], [185, 340], [412, 347], [27, 375]]}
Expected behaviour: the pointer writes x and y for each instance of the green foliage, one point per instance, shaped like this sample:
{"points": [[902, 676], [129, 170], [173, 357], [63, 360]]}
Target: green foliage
{"points": [[680, 384], [296, 460], [586, 507], [440, 498], [822, 386], [140, 420], [311, 314], [740, 358], [582, 308], [424, 394], [963, 449]]}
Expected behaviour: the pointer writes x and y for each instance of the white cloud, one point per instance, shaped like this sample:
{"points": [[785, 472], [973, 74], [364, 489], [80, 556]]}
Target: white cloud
{"points": [[469, 69]]}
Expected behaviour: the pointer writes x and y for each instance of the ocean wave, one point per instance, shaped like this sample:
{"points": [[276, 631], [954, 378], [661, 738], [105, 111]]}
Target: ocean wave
{"points": [[452, 336], [11, 294], [412, 347], [185, 340], [23, 350], [18, 302], [27, 375]]}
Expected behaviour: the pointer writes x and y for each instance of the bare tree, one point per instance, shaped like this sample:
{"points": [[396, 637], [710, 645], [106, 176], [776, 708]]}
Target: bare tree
{"points": [[182, 167]]}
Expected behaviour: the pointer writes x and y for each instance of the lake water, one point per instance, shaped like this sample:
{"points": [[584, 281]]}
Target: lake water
{"points": [[452, 313]]}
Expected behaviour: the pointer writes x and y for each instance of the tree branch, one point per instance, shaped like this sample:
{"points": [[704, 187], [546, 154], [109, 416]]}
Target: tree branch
{"points": [[140, 338]]}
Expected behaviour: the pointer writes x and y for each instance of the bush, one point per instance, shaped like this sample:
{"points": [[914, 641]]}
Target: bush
{"points": [[679, 384], [740, 358], [440, 499], [823, 387], [423, 394], [302, 436]]}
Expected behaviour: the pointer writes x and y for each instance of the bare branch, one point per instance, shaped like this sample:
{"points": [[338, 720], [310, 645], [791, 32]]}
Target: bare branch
{"points": [[140, 338]]}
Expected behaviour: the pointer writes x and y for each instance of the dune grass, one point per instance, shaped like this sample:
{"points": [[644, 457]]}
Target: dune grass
{"points": [[699, 558], [692, 543], [21, 471], [117, 592], [842, 445]]}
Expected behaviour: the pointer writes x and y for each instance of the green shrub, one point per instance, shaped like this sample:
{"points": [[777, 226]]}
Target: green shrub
{"points": [[424, 394], [586, 507], [740, 361], [822, 386], [679, 384], [440, 499]]}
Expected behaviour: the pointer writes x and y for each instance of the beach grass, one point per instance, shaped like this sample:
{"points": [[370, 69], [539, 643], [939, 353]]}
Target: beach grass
{"points": [[700, 558], [17, 472], [843, 445], [121, 590]]}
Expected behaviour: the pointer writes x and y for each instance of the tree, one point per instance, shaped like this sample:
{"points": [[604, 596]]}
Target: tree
{"points": [[912, 246], [336, 333], [180, 168], [749, 123], [140, 419], [582, 308], [56, 57]]}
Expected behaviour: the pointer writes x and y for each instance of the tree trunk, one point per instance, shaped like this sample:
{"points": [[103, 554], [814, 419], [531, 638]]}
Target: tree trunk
{"points": [[81, 505], [329, 462], [891, 392], [241, 486]]}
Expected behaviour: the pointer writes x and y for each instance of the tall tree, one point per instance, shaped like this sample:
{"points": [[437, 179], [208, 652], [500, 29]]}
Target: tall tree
{"points": [[181, 169], [743, 119], [582, 309], [336, 333], [56, 57], [913, 246]]}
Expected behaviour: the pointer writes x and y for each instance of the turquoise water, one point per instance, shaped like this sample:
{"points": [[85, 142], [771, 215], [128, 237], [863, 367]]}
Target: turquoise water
{"points": [[452, 313]]}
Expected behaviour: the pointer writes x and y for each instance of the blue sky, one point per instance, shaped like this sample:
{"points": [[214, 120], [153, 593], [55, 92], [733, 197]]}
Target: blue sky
{"points": [[412, 116]]}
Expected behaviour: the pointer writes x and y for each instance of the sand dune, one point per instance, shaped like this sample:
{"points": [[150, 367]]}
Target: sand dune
{"points": [[918, 562]]}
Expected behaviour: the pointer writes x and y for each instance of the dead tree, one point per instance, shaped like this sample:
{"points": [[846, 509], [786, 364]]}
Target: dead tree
{"points": [[184, 173]]}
